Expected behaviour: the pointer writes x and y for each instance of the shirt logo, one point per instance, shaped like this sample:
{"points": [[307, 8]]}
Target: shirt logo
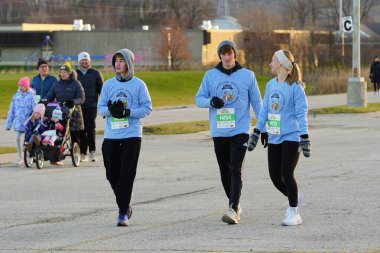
{"points": [[228, 91], [276, 101]]}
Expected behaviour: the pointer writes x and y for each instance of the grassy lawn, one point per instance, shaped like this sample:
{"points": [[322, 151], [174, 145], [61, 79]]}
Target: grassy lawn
{"points": [[7, 150], [166, 88], [371, 107]]}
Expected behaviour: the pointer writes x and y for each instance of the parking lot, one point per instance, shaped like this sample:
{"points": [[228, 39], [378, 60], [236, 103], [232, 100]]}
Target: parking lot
{"points": [[178, 199]]}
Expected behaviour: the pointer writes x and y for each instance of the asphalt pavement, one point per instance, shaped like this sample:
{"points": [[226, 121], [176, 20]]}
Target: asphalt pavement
{"points": [[178, 199]]}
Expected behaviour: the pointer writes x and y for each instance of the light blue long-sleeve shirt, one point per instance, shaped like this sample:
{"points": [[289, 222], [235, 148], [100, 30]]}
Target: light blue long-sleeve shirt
{"points": [[135, 95], [239, 91], [289, 101]]}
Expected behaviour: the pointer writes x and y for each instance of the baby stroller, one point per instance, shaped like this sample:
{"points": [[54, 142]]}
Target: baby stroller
{"points": [[62, 146]]}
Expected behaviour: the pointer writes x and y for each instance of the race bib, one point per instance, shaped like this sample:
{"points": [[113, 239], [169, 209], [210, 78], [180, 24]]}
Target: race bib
{"points": [[274, 123], [119, 123], [225, 118]]}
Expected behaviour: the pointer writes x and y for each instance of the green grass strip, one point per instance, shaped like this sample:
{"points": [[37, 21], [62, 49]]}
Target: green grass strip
{"points": [[8, 150], [177, 128], [371, 107]]}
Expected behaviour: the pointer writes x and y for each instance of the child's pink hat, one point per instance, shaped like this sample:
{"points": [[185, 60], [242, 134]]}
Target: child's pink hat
{"points": [[25, 81], [41, 109]]}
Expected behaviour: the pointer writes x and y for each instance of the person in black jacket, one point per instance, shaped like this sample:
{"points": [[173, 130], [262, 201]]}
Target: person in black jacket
{"points": [[69, 91], [92, 82], [375, 74]]}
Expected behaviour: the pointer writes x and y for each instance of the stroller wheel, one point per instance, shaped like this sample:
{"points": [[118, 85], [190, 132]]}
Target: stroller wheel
{"points": [[75, 154], [39, 159], [28, 158]]}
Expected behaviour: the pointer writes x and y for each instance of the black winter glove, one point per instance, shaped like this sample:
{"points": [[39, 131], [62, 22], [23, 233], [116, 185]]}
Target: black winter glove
{"points": [[120, 113], [69, 104], [117, 109], [305, 145], [217, 102], [264, 139], [109, 105], [253, 139]]}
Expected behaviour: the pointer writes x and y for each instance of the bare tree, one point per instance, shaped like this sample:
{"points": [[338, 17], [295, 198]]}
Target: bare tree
{"points": [[190, 13], [304, 13], [332, 9], [259, 39], [173, 45]]}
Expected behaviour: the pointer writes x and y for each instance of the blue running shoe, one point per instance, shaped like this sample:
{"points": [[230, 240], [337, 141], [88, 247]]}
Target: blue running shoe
{"points": [[122, 220]]}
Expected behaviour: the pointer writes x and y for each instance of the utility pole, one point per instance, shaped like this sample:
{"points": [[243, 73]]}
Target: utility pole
{"points": [[341, 27], [169, 50], [357, 87]]}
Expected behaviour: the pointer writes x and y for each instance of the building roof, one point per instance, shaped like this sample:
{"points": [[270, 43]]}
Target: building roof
{"points": [[34, 27], [225, 23]]}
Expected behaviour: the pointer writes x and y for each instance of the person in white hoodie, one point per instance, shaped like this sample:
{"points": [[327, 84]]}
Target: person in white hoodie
{"points": [[124, 100]]}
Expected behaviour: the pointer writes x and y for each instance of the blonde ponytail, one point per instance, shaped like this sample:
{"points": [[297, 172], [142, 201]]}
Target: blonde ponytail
{"points": [[295, 75]]}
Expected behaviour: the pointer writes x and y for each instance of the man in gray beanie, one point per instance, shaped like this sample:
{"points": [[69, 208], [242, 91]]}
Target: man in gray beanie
{"points": [[228, 91], [92, 82], [227, 43], [124, 101]]}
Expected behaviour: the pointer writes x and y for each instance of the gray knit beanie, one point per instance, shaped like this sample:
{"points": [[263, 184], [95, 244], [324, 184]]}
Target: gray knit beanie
{"points": [[227, 43]]}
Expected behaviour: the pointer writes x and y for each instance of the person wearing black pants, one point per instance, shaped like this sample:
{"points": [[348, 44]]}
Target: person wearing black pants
{"points": [[230, 153], [120, 160], [69, 91], [285, 114], [229, 91], [374, 74], [88, 135], [92, 82], [282, 161], [124, 101]]}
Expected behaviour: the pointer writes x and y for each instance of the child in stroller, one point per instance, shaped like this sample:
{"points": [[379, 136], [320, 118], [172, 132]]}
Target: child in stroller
{"points": [[56, 142], [56, 128], [34, 127]]}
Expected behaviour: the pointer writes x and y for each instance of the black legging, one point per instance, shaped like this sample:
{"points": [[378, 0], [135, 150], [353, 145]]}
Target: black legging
{"points": [[376, 86], [282, 161], [230, 153]]}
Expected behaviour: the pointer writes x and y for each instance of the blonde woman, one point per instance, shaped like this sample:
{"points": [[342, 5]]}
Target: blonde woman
{"points": [[285, 112]]}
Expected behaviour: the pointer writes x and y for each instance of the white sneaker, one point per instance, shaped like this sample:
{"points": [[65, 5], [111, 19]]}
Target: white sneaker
{"points": [[83, 158], [230, 217], [92, 156], [292, 218]]}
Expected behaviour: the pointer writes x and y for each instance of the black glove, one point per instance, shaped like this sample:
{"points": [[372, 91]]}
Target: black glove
{"points": [[109, 105], [217, 102], [305, 145], [69, 104], [253, 139], [117, 109], [264, 139], [120, 113]]}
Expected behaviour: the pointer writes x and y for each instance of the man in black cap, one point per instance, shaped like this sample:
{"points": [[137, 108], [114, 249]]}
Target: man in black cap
{"points": [[42, 82]]}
